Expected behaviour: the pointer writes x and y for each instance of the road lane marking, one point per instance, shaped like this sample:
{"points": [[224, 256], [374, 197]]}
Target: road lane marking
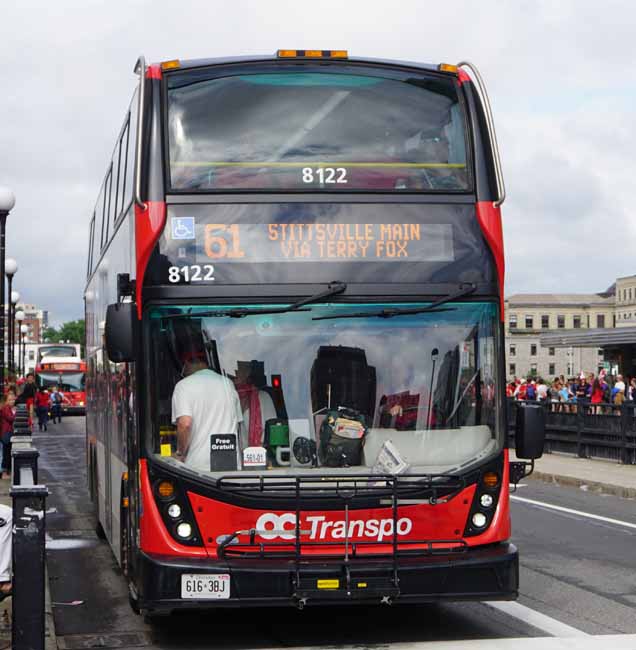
{"points": [[601, 642], [570, 511], [536, 619]]}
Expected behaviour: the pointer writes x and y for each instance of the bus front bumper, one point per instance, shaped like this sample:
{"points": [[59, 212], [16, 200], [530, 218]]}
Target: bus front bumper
{"points": [[485, 573]]}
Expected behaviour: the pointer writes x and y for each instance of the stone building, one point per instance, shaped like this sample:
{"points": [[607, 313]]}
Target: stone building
{"points": [[528, 316], [626, 301]]}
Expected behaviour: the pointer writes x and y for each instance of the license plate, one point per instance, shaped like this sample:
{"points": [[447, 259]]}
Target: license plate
{"points": [[205, 586]]}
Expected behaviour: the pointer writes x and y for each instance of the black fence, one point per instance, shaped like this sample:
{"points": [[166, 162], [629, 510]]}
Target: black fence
{"points": [[603, 431], [28, 542]]}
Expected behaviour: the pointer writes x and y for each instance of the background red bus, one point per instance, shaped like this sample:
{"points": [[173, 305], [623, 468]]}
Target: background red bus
{"points": [[69, 375]]}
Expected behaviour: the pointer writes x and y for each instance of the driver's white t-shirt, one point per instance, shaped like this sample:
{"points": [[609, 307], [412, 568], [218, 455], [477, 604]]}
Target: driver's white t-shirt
{"points": [[213, 404]]}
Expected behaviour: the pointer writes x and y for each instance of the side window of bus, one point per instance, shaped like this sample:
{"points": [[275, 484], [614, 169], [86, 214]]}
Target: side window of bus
{"points": [[130, 153], [105, 193], [99, 218], [121, 169], [91, 246]]}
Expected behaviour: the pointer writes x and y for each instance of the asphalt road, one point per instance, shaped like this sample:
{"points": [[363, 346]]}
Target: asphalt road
{"points": [[578, 577]]}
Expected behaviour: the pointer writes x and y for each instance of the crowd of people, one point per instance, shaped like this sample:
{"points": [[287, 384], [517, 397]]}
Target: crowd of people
{"points": [[565, 394], [41, 403]]}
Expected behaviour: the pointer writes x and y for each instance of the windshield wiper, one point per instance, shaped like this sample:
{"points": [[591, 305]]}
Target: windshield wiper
{"points": [[464, 290], [333, 289]]}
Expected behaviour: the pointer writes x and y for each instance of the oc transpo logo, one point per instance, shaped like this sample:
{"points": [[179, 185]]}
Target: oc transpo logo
{"points": [[272, 526]]}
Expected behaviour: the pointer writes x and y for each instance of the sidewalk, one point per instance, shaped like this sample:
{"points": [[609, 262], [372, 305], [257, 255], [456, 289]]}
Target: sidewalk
{"points": [[597, 475], [50, 642]]}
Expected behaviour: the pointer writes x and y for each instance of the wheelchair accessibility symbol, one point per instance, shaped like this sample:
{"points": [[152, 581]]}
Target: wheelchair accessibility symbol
{"points": [[183, 228]]}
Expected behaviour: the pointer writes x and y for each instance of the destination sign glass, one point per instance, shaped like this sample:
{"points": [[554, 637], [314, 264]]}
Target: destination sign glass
{"points": [[60, 366], [299, 242]]}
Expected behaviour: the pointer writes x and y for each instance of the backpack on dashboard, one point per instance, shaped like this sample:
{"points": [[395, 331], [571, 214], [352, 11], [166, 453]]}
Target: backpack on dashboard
{"points": [[342, 436]]}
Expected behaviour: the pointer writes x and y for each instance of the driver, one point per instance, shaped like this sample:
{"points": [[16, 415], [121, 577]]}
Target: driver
{"points": [[203, 403]]}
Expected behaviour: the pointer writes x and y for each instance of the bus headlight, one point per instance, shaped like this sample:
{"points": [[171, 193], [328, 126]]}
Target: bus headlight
{"points": [[174, 511], [486, 500], [479, 520], [184, 530]]}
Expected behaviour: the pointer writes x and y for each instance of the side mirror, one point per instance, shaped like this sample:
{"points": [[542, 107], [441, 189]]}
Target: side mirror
{"points": [[121, 332], [530, 431]]}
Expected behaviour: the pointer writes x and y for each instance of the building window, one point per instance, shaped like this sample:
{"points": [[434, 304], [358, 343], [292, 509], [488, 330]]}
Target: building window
{"points": [[545, 322], [533, 369], [551, 351], [533, 349], [569, 369], [561, 322], [513, 350], [551, 369], [31, 355], [577, 322], [600, 352], [630, 293], [512, 321], [512, 369], [528, 322]]}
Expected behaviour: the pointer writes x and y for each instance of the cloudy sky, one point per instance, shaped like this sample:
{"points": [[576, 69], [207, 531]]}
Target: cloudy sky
{"points": [[561, 77]]}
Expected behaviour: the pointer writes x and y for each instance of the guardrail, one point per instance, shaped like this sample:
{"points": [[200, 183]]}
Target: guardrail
{"points": [[603, 431], [28, 548]]}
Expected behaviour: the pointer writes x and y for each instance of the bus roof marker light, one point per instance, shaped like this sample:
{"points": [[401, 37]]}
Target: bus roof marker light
{"points": [[448, 67], [170, 65], [312, 54]]}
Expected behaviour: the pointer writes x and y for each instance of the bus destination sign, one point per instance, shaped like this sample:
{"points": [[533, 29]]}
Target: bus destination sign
{"points": [[313, 242], [60, 366]]}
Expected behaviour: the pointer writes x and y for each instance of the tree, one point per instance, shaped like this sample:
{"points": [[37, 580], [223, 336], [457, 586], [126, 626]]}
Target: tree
{"points": [[73, 331], [50, 334]]}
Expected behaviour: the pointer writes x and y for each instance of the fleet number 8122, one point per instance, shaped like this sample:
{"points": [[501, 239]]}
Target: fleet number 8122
{"points": [[191, 273], [324, 175]]}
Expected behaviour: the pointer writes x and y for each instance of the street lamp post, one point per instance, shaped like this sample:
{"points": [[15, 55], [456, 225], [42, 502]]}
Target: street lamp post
{"points": [[10, 269], [7, 201], [23, 330], [15, 297], [19, 317]]}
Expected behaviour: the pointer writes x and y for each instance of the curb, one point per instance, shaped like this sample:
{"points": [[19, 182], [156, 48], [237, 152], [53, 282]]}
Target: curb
{"points": [[594, 486], [50, 637]]}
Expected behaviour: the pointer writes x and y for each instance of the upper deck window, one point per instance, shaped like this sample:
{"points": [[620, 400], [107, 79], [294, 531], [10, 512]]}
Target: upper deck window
{"points": [[286, 130]]}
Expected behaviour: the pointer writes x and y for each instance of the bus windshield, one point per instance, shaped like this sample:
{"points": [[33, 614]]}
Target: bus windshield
{"points": [[330, 387], [315, 131], [67, 382]]}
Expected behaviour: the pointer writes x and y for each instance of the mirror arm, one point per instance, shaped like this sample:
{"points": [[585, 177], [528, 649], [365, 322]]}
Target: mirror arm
{"points": [[519, 470]]}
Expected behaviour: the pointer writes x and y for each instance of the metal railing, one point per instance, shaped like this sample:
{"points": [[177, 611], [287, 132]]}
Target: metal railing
{"points": [[603, 431], [28, 547]]}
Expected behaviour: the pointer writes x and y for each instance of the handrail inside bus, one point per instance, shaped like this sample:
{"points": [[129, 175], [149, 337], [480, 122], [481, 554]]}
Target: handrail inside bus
{"points": [[140, 69], [481, 88]]}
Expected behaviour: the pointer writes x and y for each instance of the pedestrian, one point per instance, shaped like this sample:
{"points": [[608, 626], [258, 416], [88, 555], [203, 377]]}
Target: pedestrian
{"points": [[596, 396], [42, 404], [542, 390], [531, 391], [7, 416], [27, 396], [56, 405], [6, 530], [631, 391]]}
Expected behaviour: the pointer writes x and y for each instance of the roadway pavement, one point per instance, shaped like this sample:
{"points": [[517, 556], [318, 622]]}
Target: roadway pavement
{"points": [[578, 581]]}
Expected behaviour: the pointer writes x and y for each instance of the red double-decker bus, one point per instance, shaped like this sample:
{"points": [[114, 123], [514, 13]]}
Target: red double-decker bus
{"points": [[319, 237], [69, 375]]}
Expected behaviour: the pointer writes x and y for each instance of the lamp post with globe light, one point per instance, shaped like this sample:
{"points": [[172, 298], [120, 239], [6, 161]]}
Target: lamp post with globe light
{"points": [[19, 317], [10, 269], [23, 331], [14, 298], [7, 201]]}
